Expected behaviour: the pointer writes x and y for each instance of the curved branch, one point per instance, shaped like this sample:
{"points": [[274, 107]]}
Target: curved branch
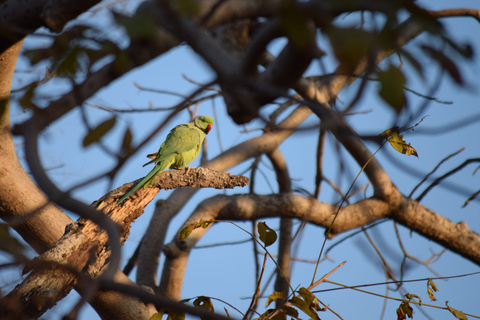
{"points": [[454, 236], [456, 12], [446, 175], [252, 207]]}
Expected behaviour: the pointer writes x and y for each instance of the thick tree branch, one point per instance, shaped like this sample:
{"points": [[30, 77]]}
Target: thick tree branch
{"points": [[251, 207], [456, 12], [456, 237], [243, 99], [39, 222], [21, 18], [192, 177], [86, 246]]}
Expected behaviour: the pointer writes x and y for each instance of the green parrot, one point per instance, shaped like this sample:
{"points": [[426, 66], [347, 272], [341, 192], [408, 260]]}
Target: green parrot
{"points": [[181, 147]]}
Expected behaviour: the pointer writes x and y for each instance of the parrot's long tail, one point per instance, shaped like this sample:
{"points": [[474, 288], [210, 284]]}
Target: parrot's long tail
{"points": [[145, 182]]}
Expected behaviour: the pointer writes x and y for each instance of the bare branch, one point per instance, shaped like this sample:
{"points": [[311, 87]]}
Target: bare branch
{"points": [[444, 176], [286, 224], [427, 176]]}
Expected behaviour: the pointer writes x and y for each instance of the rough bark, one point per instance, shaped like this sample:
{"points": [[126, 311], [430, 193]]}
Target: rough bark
{"points": [[85, 245], [38, 221]]}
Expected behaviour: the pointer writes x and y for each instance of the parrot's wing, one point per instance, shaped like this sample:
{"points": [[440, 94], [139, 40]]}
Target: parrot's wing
{"points": [[181, 139]]}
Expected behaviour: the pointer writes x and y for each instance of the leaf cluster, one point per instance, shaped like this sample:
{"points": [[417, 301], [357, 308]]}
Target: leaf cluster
{"points": [[351, 44], [303, 300], [405, 311], [74, 51], [202, 302]]}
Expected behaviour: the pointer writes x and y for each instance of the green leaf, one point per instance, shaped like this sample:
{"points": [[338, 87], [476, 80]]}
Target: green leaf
{"points": [[97, 133], [267, 235], [396, 140], [404, 311], [127, 141], [456, 313], [430, 294], [465, 50], [157, 316], [411, 296], [70, 63], [139, 26], [204, 223], [173, 315], [294, 23], [431, 287], [414, 62], [36, 55], [268, 315], [274, 297], [305, 307], [203, 302], [350, 45], [9, 244], [299, 303], [391, 90], [190, 7], [290, 311], [186, 231], [306, 295], [279, 316], [27, 98]]}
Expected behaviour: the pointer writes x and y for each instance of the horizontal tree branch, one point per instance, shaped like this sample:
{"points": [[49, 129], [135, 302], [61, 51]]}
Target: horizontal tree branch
{"points": [[456, 237], [193, 177]]}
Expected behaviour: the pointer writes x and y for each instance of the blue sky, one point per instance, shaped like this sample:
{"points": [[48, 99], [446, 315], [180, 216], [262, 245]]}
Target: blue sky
{"points": [[227, 272]]}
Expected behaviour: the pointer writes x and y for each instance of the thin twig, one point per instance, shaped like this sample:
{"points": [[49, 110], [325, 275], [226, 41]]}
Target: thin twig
{"points": [[257, 290], [446, 175], [322, 279], [340, 206]]}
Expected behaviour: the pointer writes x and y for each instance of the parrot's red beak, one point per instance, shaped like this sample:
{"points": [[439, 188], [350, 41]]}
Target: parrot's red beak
{"points": [[209, 127]]}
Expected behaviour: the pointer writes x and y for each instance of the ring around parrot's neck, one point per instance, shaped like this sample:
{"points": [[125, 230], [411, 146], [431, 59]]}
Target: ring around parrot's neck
{"points": [[203, 123]]}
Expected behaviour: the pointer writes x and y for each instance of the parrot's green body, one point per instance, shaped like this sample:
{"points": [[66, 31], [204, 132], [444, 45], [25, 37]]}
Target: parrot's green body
{"points": [[181, 147]]}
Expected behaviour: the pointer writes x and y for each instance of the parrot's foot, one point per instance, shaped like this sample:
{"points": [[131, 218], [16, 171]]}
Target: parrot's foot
{"points": [[188, 169]]}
